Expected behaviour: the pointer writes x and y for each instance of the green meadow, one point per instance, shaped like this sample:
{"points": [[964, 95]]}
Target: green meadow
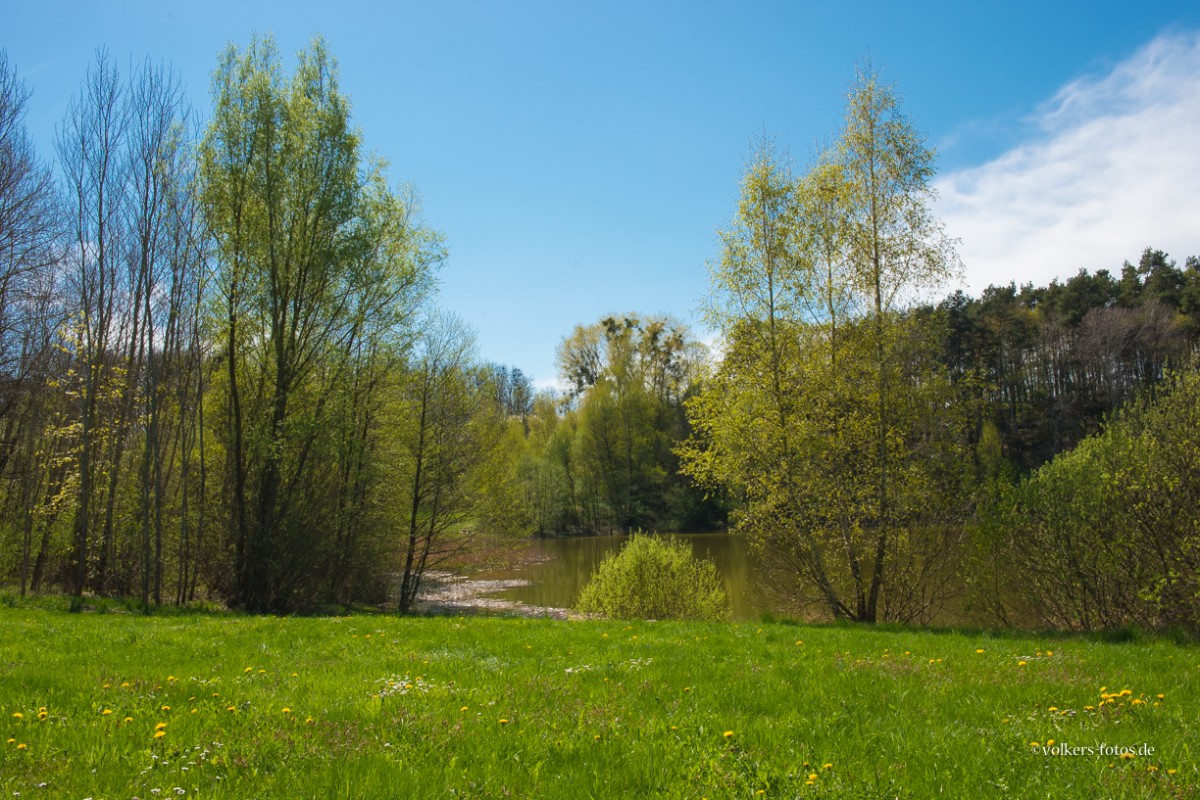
{"points": [[113, 705]]}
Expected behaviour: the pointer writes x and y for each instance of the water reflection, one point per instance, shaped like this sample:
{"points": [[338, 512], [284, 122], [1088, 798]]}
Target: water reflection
{"points": [[566, 564]]}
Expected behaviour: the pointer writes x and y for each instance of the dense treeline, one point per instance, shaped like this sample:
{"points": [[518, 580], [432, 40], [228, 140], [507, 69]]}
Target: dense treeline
{"points": [[1107, 535], [222, 378], [221, 375], [861, 433], [1047, 364], [604, 459]]}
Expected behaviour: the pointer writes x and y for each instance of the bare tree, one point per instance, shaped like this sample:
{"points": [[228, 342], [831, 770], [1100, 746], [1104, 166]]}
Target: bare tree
{"points": [[29, 308]]}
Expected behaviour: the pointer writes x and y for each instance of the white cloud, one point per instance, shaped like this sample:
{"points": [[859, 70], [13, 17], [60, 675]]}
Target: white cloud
{"points": [[1114, 168]]}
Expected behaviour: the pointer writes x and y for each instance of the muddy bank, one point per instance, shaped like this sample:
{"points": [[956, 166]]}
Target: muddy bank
{"points": [[450, 593]]}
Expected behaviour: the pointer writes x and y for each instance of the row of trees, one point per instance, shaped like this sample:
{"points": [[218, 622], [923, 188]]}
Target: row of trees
{"points": [[859, 429], [221, 376], [1046, 365]]}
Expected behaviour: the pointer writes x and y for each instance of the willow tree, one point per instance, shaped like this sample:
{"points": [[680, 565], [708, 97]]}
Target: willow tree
{"points": [[316, 256]]}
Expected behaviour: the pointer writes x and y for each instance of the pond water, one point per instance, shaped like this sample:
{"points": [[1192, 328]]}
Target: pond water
{"points": [[564, 564]]}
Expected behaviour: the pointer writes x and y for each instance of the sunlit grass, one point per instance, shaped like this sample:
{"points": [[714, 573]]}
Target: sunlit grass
{"points": [[122, 706]]}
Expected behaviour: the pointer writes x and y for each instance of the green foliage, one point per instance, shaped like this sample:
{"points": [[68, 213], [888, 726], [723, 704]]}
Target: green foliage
{"points": [[827, 414], [603, 460], [654, 577], [1108, 534], [321, 267]]}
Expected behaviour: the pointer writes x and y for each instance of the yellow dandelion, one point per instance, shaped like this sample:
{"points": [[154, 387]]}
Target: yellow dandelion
{"points": [[232, 708], [979, 650], [1171, 771], [596, 737], [1151, 768], [827, 766], [286, 710], [22, 746], [674, 727], [195, 711], [159, 734], [308, 721], [1049, 743], [1126, 756], [262, 672], [1004, 721], [728, 734], [1035, 744], [125, 685], [295, 674], [216, 694], [687, 688], [170, 677], [248, 670], [106, 711], [1053, 708], [162, 726], [503, 721], [10, 740], [1020, 663], [1049, 652], [18, 715], [128, 719], [1161, 696], [166, 708], [107, 685], [464, 708], [799, 641], [42, 715]]}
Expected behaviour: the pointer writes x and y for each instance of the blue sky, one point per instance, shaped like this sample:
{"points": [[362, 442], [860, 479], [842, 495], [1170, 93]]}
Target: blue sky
{"points": [[580, 157]]}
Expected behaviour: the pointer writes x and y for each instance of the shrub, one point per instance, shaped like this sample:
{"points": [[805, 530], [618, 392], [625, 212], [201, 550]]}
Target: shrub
{"points": [[655, 578]]}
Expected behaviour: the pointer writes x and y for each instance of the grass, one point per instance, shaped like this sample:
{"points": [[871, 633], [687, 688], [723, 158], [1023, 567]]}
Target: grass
{"points": [[379, 707]]}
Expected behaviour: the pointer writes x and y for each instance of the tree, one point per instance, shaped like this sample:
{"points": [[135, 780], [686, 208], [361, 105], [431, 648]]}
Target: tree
{"points": [[629, 376], [90, 146], [450, 428], [31, 310], [1108, 534], [823, 416], [318, 262], [897, 249]]}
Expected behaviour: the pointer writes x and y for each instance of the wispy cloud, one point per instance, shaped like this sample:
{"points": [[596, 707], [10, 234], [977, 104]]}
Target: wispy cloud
{"points": [[1113, 167]]}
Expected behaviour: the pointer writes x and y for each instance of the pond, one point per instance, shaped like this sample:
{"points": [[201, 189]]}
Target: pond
{"points": [[559, 567]]}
